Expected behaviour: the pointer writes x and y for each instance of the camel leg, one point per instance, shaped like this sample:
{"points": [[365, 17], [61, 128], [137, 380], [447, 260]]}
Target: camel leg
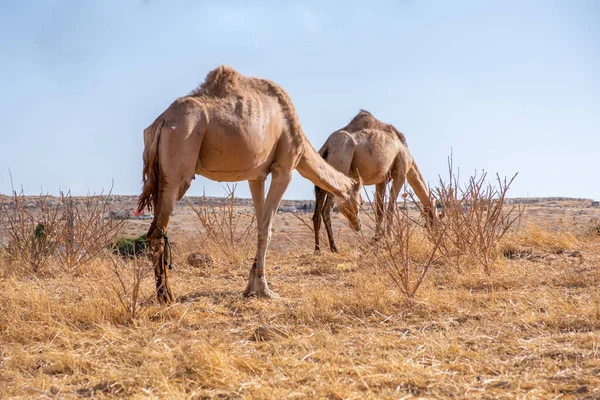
{"points": [[416, 181], [379, 209], [319, 200], [176, 174], [162, 215], [257, 189], [397, 183], [327, 220], [257, 284]]}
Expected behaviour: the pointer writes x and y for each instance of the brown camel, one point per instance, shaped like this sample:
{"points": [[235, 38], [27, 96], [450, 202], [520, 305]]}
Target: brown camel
{"points": [[232, 128], [377, 153]]}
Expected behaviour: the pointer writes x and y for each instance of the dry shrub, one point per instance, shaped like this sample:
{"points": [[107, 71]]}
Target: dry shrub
{"points": [[228, 233], [474, 219], [87, 230], [130, 274], [29, 236], [403, 252], [72, 233]]}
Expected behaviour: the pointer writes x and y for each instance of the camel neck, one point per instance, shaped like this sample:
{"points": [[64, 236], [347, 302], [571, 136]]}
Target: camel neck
{"points": [[315, 169]]}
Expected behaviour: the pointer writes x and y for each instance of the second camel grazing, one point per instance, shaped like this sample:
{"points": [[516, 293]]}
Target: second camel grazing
{"points": [[377, 153], [232, 128]]}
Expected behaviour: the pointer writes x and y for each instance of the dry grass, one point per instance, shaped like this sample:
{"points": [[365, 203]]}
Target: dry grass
{"points": [[342, 329]]}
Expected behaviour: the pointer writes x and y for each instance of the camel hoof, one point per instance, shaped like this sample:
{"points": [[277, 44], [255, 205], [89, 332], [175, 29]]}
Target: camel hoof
{"points": [[164, 298], [267, 294], [263, 294], [258, 287], [376, 239]]}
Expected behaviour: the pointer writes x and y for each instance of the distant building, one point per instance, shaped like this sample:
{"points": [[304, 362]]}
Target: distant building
{"points": [[145, 216], [305, 207], [286, 209], [121, 214], [595, 203]]}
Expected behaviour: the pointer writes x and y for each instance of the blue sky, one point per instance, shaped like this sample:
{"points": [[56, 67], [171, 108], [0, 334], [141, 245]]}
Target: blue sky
{"points": [[509, 86]]}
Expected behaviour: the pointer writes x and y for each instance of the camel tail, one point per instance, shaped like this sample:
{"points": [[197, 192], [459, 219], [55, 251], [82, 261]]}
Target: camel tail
{"points": [[150, 175]]}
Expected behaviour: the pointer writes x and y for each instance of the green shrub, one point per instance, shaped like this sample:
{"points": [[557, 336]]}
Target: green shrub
{"points": [[130, 247]]}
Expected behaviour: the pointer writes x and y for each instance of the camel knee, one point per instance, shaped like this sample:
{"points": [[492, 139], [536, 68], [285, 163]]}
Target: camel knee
{"points": [[156, 244], [316, 218], [263, 240], [327, 216], [153, 235]]}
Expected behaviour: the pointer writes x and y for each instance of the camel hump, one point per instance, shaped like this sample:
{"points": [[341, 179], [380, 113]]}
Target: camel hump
{"points": [[224, 81], [365, 120], [220, 82]]}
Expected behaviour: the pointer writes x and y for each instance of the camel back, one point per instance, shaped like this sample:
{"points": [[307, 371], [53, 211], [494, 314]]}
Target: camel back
{"points": [[366, 120]]}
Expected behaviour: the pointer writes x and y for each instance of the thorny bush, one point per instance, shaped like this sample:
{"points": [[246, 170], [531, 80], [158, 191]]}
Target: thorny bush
{"points": [[72, 231], [229, 233]]}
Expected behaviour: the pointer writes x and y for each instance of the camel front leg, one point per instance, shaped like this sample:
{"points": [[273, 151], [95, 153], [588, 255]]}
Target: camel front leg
{"points": [[379, 212], [257, 189], [257, 283], [397, 184], [416, 181]]}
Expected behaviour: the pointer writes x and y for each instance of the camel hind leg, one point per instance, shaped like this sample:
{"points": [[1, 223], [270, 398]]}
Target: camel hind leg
{"points": [[320, 195], [327, 207], [176, 174], [157, 236]]}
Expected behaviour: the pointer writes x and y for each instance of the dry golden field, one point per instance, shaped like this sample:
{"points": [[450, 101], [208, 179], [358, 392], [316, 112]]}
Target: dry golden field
{"points": [[341, 330]]}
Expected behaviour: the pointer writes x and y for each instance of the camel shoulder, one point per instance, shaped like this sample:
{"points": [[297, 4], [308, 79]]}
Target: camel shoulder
{"points": [[342, 137], [338, 140]]}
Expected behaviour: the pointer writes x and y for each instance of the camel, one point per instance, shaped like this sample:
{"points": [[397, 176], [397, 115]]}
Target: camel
{"points": [[229, 129], [377, 153]]}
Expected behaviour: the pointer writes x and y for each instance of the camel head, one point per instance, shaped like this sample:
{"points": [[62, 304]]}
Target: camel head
{"points": [[349, 205]]}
